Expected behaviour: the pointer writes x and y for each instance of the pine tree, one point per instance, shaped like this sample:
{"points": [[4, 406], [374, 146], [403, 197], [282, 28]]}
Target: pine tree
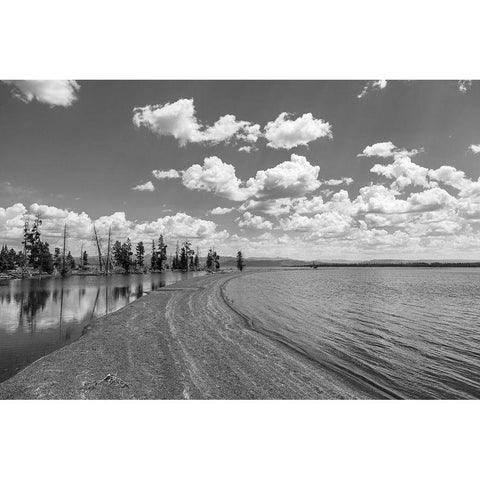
{"points": [[161, 254], [85, 259], [153, 260], [70, 261], [240, 263], [140, 254]]}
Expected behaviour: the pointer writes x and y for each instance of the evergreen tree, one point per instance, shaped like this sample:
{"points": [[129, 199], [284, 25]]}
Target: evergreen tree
{"points": [[240, 263], [176, 261], [117, 253], [57, 260], [85, 259], [161, 254], [209, 263], [183, 259], [70, 261], [127, 255], [153, 260], [140, 254]]}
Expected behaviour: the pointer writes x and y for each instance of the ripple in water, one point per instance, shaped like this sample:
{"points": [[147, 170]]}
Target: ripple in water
{"points": [[406, 332]]}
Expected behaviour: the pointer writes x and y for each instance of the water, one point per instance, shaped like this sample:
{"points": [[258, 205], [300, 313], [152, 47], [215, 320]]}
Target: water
{"points": [[403, 332], [38, 316]]}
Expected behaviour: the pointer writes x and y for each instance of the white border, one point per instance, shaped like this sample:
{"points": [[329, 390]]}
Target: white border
{"points": [[240, 40]]}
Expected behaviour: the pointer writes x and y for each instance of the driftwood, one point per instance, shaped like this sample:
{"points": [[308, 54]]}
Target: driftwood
{"points": [[109, 379]]}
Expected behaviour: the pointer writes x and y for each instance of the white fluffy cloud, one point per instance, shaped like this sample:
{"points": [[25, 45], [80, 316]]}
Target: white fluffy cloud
{"points": [[161, 174], [145, 187], [371, 86], [52, 92], [475, 148], [254, 221], [179, 120], [286, 133], [294, 177], [79, 227], [221, 210], [217, 177], [386, 150]]}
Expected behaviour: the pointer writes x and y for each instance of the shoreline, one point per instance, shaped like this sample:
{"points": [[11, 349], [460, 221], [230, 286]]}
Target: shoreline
{"points": [[183, 341]]}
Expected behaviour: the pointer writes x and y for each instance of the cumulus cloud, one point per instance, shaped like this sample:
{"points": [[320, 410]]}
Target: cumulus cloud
{"points": [[61, 93], [372, 86], [145, 187], [475, 148], [217, 177], [286, 133], [161, 174], [254, 221], [294, 177], [386, 150], [221, 210], [179, 119], [464, 85], [79, 226], [404, 172]]}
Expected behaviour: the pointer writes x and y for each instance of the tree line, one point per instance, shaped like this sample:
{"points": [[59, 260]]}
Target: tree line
{"points": [[36, 256]]}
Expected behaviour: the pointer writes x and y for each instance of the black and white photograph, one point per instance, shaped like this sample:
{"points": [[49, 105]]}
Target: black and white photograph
{"points": [[294, 249], [240, 239]]}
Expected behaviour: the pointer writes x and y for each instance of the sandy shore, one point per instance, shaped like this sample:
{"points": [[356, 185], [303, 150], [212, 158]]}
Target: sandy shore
{"points": [[180, 342]]}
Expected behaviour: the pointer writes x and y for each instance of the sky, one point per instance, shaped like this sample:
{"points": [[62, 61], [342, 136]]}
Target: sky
{"points": [[318, 170]]}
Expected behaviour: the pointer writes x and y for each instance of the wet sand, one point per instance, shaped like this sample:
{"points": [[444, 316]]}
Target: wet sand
{"points": [[180, 342]]}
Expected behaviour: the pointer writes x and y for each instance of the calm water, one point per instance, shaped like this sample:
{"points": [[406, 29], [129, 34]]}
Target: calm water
{"points": [[406, 332], [38, 316]]}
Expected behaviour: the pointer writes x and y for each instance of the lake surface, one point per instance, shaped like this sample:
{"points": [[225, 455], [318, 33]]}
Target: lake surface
{"points": [[403, 332], [38, 316]]}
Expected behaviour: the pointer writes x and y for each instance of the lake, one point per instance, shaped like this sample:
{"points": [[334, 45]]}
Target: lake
{"points": [[38, 316], [403, 332]]}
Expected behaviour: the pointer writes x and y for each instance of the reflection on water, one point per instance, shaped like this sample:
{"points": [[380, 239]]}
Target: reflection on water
{"points": [[38, 316]]}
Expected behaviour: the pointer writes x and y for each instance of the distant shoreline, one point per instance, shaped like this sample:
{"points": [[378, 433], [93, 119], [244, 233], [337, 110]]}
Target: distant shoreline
{"points": [[406, 264]]}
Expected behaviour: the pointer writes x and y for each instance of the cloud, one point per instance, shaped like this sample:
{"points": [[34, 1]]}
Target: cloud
{"points": [[79, 227], [286, 133], [161, 174], [148, 186], [179, 120], [217, 177], [62, 93], [464, 85], [221, 210], [247, 149], [372, 86], [475, 148], [254, 221], [334, 182], [404, 172], [386, 150], [294, 177]]}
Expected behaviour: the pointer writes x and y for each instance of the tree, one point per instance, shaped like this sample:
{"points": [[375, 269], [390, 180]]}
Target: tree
{"points": [[161, 253], [176, 260], [85, 259], [213, 260], [153, 260], [57, 260], [70, 261], [37, 253], [209, 263], [127, 255], [240, 263], [140, 254]]}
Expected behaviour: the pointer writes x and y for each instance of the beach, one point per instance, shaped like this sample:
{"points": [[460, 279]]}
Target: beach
{"points": [[181, 342]]}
